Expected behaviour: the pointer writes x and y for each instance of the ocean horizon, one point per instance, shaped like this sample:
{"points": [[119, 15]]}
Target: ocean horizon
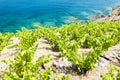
{"points": [[16, 14]]}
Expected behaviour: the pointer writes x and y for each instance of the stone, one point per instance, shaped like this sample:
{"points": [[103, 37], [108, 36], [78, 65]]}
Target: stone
{"points": [[103, 62], [114, 15], [62, 63]]}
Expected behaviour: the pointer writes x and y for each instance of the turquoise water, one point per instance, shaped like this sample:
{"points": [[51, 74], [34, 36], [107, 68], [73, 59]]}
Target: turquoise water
{"points": [[15, 14]]}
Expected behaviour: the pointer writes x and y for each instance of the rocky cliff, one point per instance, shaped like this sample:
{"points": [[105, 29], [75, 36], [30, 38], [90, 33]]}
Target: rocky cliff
{"points": [[114, 15]]}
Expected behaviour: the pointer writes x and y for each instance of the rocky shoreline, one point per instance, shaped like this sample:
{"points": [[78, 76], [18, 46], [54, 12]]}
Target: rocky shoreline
{"points": [[114, 15]]}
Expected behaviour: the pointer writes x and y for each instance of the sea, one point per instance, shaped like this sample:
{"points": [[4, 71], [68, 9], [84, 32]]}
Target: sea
{"points": [[15, 14]]}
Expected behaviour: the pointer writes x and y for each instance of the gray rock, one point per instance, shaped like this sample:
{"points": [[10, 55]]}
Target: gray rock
{"points": [[62, 63], [103, 62], [114, 15]]}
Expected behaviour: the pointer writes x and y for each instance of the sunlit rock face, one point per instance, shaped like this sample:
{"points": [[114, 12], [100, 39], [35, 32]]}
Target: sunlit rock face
{"points": [[114, 15]]}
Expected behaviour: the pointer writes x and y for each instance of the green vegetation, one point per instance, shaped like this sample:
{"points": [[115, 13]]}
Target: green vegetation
{"points": [[23, 67], [4, 39], [112, 74], [97, 36]]}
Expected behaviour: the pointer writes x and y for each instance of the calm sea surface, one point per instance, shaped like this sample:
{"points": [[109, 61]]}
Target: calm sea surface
{"points": [[15, 14]]}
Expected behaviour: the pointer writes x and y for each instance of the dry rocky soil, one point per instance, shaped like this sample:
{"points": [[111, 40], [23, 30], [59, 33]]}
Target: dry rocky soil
{"points": [[62, 65]]}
